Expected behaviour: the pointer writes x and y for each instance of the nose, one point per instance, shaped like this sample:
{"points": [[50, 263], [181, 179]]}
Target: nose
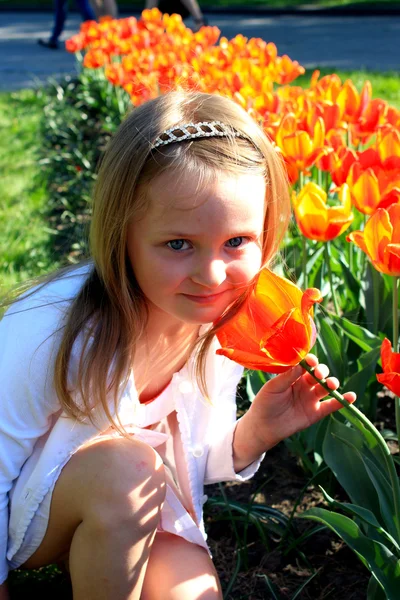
{"points": [[210, 273]]}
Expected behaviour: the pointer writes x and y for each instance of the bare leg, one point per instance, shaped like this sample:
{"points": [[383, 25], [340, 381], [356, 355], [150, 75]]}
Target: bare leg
{"points": [[105, 511], [179, 570]]}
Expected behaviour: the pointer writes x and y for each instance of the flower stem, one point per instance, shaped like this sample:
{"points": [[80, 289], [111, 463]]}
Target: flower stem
{"points": [[330, 276], [362, 423], [376, 307], [304, 261], [395, 310], [395, 314]]}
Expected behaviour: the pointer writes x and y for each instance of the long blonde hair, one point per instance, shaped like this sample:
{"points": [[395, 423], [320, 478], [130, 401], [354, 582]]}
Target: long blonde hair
{"points": [[110, 310]]}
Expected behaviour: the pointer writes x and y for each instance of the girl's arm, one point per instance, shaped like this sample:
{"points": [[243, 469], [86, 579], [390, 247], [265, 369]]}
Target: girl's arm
{"points": [[286, 404], [27, 397], [4, 595]]}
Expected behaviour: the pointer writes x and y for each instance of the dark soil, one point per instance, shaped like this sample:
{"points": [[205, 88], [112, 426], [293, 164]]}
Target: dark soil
{"points": [[339, 573]]}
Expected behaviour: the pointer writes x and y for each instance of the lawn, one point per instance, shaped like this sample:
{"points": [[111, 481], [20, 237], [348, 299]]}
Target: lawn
{"points": [[24, 241]]}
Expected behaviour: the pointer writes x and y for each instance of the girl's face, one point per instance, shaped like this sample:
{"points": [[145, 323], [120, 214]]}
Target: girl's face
{"points": [[196, 249]]}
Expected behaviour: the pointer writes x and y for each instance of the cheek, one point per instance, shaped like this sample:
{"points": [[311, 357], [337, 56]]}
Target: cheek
{"points": [[243, 270], [165, 274]]}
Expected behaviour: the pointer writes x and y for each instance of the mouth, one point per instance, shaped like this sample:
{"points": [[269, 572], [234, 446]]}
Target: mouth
{"points": [[204, 298]]}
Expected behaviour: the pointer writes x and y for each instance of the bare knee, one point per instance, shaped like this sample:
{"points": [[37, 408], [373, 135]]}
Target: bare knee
{"points": [[178, 570], [110, 485], [127, 482]]}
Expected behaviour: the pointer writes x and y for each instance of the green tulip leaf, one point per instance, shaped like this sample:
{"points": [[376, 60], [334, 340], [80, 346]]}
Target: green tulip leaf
{"points": [[365, 515], [375, 590], [361, 336], [384, 491], [331, 345], [358, 382], [353, 286], [254, 382], [341, 451], [375, 555]]}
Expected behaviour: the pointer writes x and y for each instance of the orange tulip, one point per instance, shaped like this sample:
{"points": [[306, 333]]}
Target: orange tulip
{"points": [[76, 43], [353, 104], [388, 147], [372, 187], [391, 368], [300, 148], [317, 220], [273, 330], [380, 240]]}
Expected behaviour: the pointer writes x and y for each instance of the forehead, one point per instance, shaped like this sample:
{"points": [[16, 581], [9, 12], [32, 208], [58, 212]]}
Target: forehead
{"points": [[225, 197]]}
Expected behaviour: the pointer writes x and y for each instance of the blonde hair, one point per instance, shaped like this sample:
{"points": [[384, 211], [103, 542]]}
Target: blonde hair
{"points": [[110, 310]]}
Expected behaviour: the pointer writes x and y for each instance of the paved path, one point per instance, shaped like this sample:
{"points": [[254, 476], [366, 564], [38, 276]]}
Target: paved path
{"points": [[345, 42]]}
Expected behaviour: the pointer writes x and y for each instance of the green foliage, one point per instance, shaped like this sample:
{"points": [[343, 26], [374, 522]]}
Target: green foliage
{"points": [[80, 115], [25, 236], [383, 564]]}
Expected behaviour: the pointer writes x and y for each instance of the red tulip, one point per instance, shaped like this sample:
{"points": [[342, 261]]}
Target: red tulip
{"points": [[273, 330], [391, 368]]}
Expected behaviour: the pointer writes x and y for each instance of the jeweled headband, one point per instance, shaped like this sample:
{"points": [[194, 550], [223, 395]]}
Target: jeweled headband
{"points": [[192, 131]]}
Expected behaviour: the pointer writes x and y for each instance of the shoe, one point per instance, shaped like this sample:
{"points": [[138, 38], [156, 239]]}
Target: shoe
{"points": [[48, 44], [199, 23]]}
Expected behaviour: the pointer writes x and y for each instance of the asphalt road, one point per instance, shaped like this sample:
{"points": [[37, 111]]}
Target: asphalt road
{"points": [[343, 42]]}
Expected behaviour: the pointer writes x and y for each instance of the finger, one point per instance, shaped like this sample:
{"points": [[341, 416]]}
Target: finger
{"points": [[320, 391], [311, 360], [283, 381], [350, 397], [319, 372], [327, 407]]}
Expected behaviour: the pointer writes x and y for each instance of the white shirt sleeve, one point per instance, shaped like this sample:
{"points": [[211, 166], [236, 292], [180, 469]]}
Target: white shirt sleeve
{"points": [[29, 337], [220, 457]]}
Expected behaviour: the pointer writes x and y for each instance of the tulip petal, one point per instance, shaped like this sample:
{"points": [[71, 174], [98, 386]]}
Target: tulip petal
{"points": [[357, 237], [394, 216], [365, 192], [310, 297], [391, 259], [391, 381], [251, 361], [377, 234], [290, 339]]}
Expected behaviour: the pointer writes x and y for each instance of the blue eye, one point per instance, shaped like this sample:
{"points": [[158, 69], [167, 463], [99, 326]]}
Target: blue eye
{"points": [[176, 244], [235, 242]]}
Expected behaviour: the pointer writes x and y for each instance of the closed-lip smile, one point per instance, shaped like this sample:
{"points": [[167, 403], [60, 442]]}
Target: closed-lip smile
{"points": [[204, 297]]}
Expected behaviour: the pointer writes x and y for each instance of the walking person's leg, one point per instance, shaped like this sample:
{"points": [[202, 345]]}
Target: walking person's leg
{"points": [[86, 10], [104, 8], [60, 16], [195, 12], [191, 5]]}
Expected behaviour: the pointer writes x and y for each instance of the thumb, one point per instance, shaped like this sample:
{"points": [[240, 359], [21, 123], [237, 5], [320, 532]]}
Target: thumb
{"points": [[283, 381]]}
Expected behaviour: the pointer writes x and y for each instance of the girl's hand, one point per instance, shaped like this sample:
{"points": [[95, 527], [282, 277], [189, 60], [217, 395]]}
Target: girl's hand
{"points": [[291, 401]]}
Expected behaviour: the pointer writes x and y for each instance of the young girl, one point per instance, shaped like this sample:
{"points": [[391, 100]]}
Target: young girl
{"points": [[115, 409]]}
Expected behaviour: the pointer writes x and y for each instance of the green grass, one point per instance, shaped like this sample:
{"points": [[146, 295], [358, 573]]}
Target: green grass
{"points": [[24, 240]]}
